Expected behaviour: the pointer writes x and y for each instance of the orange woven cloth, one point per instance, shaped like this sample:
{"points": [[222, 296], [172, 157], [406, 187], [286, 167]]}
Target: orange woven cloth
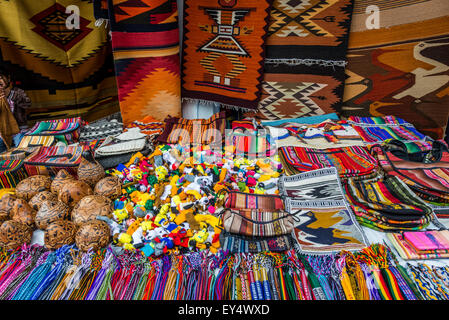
{"points": [[148, 125], [223, 51]]}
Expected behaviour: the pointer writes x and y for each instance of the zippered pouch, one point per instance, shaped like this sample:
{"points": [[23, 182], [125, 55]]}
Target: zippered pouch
{"points": [[11, 173], [49, 160]]}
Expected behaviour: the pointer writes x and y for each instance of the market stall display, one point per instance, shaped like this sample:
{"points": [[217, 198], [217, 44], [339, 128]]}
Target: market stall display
{"points": [[183, 204], [272, 197]]}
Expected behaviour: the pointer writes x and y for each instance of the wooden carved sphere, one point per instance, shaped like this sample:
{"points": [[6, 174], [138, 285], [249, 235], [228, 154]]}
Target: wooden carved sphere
{"points": [[6, 205], [94, 234], [90, 170], [24, 213], [59, 233], [29, 187], [14, 234], [50, 211], [73, 191], [91, 206], [60, 179], [36, 201], [110, 187]]}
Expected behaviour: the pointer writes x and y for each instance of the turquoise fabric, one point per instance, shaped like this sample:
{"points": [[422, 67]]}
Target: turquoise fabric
{"points": [[304, 120]]}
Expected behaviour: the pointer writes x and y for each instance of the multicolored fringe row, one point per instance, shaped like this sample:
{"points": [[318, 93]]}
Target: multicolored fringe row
{"points": [[34, 273]]}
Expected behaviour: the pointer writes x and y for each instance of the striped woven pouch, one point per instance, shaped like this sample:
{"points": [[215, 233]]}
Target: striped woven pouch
{"points": [[11, 172], [49, 160]]}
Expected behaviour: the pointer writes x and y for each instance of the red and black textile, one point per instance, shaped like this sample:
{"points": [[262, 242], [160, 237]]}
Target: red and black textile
{"points": [[351, 161], [145, 44], [428, 179]]}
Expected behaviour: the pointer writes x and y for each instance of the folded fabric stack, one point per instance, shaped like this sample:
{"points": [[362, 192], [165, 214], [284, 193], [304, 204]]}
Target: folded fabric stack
{"points": [[427, 175], [421, 244], [49, 160], [387, 204], [42, 149], [349, 161], [66, 131], [224, 207], [379, 201], [12, 172], [327, 134], [375, 130]]}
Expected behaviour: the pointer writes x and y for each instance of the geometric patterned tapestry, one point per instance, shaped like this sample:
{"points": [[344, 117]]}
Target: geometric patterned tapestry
{"points": [[313, 91], [305, 58], [308, 29], [401, 68], [66, 72], [145, 44]]}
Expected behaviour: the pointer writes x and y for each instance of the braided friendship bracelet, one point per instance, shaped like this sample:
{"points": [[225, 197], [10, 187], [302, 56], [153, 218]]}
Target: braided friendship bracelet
{"points": [[65, 274]]}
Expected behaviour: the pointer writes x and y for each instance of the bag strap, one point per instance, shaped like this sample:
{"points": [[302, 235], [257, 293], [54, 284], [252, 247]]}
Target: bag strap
{"points": [[264, 222], [65, 155], [32, 145]]}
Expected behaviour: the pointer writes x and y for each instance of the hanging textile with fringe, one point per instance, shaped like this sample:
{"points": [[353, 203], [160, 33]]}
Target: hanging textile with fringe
{"points": [[145, 45], [305, 61], [223, 51]]}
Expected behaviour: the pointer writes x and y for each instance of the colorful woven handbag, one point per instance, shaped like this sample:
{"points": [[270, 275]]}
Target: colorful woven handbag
{"points": [[257, 223], [251, 143], [11, 173], [242, 200], [351, 161], [49, 160], [36, 141], [195, 132], [17, 153], [64, 130]]}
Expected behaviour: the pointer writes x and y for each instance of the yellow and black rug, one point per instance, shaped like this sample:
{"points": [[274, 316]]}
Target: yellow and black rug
{"points": [[54, 52]]}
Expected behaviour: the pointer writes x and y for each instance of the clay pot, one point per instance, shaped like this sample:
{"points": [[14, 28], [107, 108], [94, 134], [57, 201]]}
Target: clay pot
{"points": [[24, 213], [89, 207], [51, 211], [59, 180], [59, 233], [14, 234], [6, 205], [73, 191], [94, 234], [29, 187], [90, 170], [110, 187], [37, 200]]}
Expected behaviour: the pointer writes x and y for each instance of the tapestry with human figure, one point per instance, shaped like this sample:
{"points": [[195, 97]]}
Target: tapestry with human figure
{"points": [[223, 51]]}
